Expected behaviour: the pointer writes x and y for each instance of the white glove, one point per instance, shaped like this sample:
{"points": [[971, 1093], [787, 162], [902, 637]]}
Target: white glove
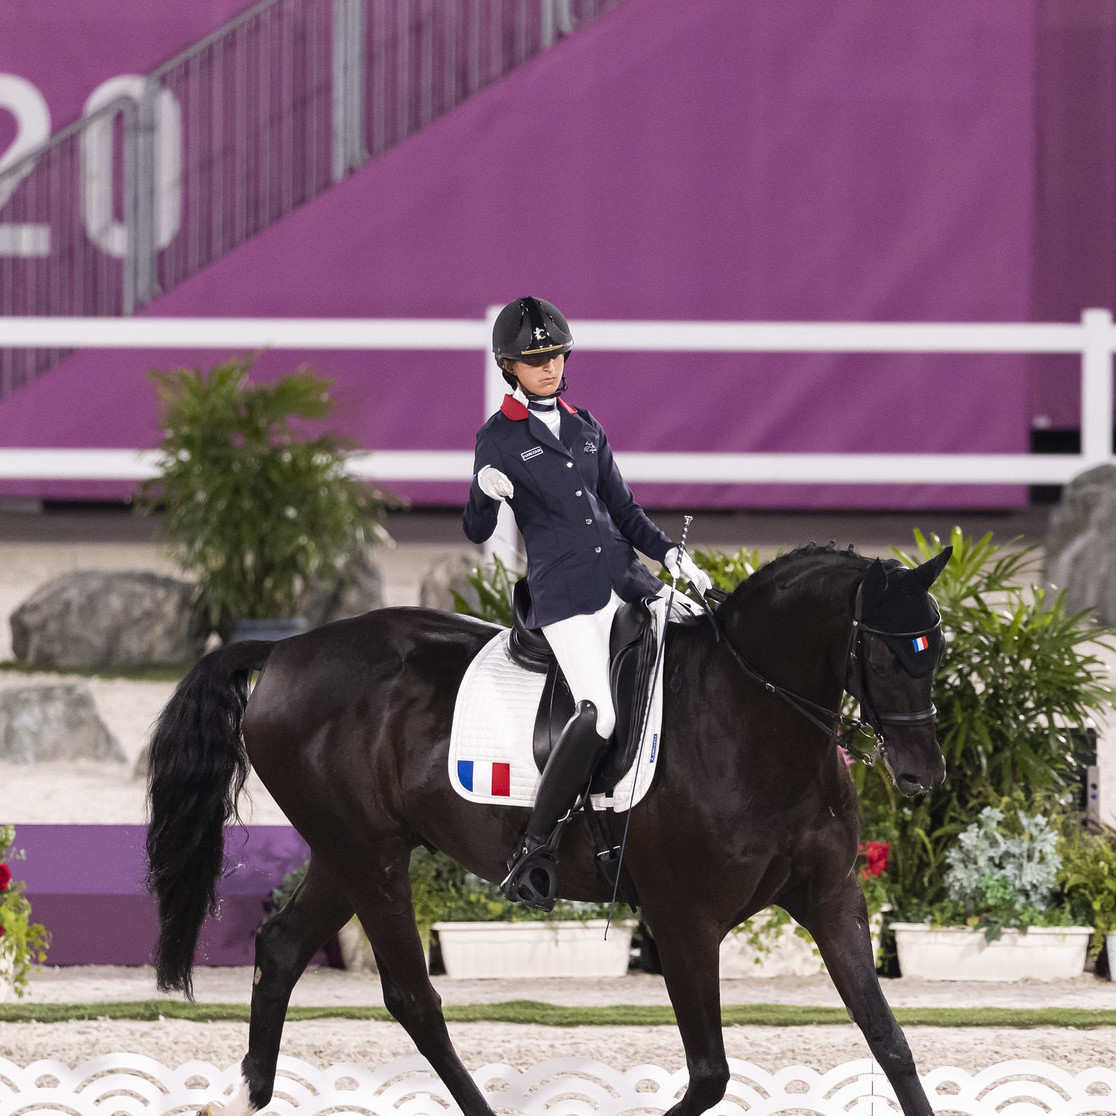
{"points": [[495, 484], [688, 570]]}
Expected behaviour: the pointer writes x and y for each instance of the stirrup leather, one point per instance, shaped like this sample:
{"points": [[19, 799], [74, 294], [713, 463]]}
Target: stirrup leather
{"points": [[533, 877]]}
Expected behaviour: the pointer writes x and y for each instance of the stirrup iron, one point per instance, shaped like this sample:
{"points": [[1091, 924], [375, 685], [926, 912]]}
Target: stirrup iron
{"points": [[533, 876]]}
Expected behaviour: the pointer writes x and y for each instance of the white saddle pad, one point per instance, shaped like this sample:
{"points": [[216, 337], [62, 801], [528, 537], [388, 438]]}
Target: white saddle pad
{"points": [[490, 755]]}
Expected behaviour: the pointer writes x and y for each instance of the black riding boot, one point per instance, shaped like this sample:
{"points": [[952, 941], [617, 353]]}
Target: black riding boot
{"points": [[533, 878]]}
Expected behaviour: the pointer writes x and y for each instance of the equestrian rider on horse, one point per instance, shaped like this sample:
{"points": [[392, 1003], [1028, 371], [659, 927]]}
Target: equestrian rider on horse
{"points": [[581, 528]]}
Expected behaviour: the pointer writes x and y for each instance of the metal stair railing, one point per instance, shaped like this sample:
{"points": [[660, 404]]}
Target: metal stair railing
{"points": [[180, 167]]}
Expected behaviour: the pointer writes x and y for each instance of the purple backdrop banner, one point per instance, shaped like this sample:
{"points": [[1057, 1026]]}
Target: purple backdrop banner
{"points": [[85, 885], [777, 160]]}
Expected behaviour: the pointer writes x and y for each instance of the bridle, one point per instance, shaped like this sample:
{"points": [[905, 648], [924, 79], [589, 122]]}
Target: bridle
{"points": [[841, 727]]}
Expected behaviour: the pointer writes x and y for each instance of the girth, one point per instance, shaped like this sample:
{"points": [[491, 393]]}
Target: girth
{"points": [[632, 649]]}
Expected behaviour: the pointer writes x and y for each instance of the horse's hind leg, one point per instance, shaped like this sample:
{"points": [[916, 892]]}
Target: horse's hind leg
{"points": [[840, 931], [385, 909], [284, 946]]}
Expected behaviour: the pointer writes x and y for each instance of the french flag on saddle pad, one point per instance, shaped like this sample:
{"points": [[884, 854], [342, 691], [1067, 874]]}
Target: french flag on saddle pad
{"points": [[485, 777], [920, 643]]}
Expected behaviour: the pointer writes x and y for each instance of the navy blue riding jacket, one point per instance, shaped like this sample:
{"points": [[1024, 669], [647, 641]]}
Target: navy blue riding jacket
{"points": [[579, 521]]}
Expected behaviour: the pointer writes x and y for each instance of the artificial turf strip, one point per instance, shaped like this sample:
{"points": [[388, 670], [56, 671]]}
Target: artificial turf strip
{"points": [[555, 1015], [125, 673]]}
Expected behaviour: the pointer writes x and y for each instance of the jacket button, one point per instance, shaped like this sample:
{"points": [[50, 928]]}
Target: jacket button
{"points": [[587, 522], [596, 550], [578, 492], [569, 464]]}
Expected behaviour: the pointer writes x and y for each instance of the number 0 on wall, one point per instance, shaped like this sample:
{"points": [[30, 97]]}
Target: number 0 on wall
{"points": [[102, 224]]}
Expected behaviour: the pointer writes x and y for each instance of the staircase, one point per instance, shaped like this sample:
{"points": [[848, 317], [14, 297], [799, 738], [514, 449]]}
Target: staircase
{"points": [[182, 166]]}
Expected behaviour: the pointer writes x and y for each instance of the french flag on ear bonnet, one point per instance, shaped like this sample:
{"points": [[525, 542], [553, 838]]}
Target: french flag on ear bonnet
{"points": [[920, 643]]}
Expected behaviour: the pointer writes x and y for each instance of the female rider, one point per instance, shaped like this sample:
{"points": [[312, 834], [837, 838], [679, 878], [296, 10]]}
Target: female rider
{"points": [[581, 528]]}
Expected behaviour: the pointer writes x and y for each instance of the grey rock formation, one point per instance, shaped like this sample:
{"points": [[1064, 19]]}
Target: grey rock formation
{"points": [[93, 618], [357, 589], [39, 724], [1081, 543], [447, 575]]}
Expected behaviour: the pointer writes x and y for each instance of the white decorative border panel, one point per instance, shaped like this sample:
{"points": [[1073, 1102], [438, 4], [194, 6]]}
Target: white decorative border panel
{"points": [[134, 1085]]}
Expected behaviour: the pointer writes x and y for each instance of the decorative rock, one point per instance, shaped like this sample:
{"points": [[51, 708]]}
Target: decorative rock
{"points": [[447, 575], [1081, 543], [58, 722], [93, 618], [356, 951], [357, 589]]}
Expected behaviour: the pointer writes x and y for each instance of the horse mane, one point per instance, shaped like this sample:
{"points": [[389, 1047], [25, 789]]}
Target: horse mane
{"points": [[828, 555]]}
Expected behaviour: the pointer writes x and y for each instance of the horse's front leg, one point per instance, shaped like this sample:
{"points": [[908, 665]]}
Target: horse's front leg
{"points": [[382, 890], [839, 927], [689, 948]]}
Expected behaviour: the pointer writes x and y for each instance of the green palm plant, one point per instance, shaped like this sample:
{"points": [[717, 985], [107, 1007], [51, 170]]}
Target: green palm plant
{"points": [[256, 506]]}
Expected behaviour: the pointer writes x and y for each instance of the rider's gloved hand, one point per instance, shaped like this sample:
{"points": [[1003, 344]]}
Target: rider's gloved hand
{"points": [[495, 484], [688, 570]]}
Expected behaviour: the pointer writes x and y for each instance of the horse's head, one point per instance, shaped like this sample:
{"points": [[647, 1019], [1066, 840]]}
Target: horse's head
{"points": [[897, 640]]}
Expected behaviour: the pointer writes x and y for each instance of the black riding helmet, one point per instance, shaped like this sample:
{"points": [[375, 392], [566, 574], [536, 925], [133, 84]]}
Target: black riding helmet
{"points": [[530, 330]]}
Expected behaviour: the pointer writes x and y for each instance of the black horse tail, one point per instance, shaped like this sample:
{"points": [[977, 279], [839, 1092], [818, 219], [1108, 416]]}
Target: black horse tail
{"points": [[196, 770]]}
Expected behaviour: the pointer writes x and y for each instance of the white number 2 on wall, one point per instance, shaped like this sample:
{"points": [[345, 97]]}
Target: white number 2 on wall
{"points": [[32, 119]]}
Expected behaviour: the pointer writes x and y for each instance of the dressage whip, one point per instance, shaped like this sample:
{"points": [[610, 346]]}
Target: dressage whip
{"points": [[686, 521]]}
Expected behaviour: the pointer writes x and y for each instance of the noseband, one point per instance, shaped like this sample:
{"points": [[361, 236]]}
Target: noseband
{"points": [[841, 727]]}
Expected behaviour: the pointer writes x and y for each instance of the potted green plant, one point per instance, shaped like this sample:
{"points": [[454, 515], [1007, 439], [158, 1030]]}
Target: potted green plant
{"points": [[23, 943], [1003, 917], [256, 505], [1087, 876], [1018, 680], [482, 935]]}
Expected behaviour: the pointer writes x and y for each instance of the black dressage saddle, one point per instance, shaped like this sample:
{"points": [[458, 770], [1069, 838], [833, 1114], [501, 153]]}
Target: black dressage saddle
{"points": [[632, 650]]}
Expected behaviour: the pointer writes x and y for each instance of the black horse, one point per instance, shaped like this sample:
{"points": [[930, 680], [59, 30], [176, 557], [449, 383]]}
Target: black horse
{"points": [[348, 727]]}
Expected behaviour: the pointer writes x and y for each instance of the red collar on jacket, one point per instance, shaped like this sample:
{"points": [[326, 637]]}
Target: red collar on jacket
{"points": [[513, 409]]}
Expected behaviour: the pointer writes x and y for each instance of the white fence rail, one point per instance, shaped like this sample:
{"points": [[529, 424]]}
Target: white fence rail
{"points": [[139, 1086], [1093, 339]]}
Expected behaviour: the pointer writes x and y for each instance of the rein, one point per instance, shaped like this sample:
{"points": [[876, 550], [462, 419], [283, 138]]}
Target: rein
{"points": [[841, 727]]}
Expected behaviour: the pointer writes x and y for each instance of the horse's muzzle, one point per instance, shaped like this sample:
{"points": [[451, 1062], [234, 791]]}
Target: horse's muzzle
{"points": [[909, 782]]}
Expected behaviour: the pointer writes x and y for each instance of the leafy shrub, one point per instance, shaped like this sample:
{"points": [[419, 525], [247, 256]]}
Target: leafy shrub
{"points": [[493, 584], [1003, 871], [23, 943], [1087, 877], [255, 506], [1016, 682]]}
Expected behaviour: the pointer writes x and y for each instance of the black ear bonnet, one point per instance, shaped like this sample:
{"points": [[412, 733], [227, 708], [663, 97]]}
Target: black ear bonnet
{"points": [[894, 604]]}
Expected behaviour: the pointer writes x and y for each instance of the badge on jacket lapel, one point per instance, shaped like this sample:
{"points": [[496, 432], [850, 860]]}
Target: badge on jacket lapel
{"points": [[526, 455], [590, 447]]}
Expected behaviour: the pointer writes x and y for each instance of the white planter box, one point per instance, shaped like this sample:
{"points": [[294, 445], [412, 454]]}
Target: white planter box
{"points": [[782, 952], [958, 953], [540, 949], [7, 967]]}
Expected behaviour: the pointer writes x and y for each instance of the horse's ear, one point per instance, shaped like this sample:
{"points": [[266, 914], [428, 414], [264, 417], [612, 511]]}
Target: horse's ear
{"points": [[872, 586], [927, 573]]}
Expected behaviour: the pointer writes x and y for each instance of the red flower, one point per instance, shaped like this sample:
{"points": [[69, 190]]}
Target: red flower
{"points": [[5, 877], [875, 854]]}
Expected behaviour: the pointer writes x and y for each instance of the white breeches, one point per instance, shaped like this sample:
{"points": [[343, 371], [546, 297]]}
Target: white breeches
{"points": [[580, 644]]}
